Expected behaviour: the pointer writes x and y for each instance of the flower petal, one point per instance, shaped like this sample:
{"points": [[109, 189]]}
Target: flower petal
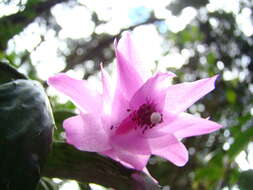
{"points": [[153, 90], [110, 153], [182, 125], [129, 160], [181, 96], [119, 105], [79, 91], [161, 142], [131, 73], [187, 125], [86, 133], [131, 142], [134, 55], [138, 161], [127, 125], [106, 81], [175, 153], [136, 142], [107, 95]]}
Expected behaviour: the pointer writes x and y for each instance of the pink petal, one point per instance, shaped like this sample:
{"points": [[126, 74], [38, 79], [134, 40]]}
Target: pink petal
{"points": [[119, 106], [113, 155], [131, 73], [182, 125], [187, 125], [131, 142], [161, 142], [153, 90], [181, 96], [79, 91], [107, 84], [163, 128], [133, 54], [107, 95], [129, 160], [175, 153], [137, 161], [136, 142], [86, 133], [110, 153], [127, 125]]}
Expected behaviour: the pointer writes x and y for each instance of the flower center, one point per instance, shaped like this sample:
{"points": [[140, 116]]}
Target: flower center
{"points": [[146, 116]]}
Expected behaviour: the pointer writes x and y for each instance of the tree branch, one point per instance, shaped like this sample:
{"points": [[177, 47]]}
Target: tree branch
{"points": [[68, 163]]}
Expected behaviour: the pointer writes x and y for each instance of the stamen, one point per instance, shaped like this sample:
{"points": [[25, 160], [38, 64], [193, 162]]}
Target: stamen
{"points": [[146, 116]]}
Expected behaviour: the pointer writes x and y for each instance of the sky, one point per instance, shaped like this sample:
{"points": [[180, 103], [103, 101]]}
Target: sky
{"points": [[76, 23]]}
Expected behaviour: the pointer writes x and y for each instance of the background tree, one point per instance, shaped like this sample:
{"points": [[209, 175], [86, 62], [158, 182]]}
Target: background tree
{"points": [[218, 39]]}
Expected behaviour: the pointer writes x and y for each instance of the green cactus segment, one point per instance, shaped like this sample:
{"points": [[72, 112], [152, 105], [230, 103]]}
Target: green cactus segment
{"points": [[26, 125]]}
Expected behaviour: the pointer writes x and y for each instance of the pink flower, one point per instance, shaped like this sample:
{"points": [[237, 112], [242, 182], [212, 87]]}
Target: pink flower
{"points": [[138, 116]]}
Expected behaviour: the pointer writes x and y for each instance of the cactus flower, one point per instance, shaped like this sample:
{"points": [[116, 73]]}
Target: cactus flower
{"points": [[137, 115]]}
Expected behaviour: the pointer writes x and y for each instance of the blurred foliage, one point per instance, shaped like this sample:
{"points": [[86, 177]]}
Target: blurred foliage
{"points": [[245, 180], [217, 45]]}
